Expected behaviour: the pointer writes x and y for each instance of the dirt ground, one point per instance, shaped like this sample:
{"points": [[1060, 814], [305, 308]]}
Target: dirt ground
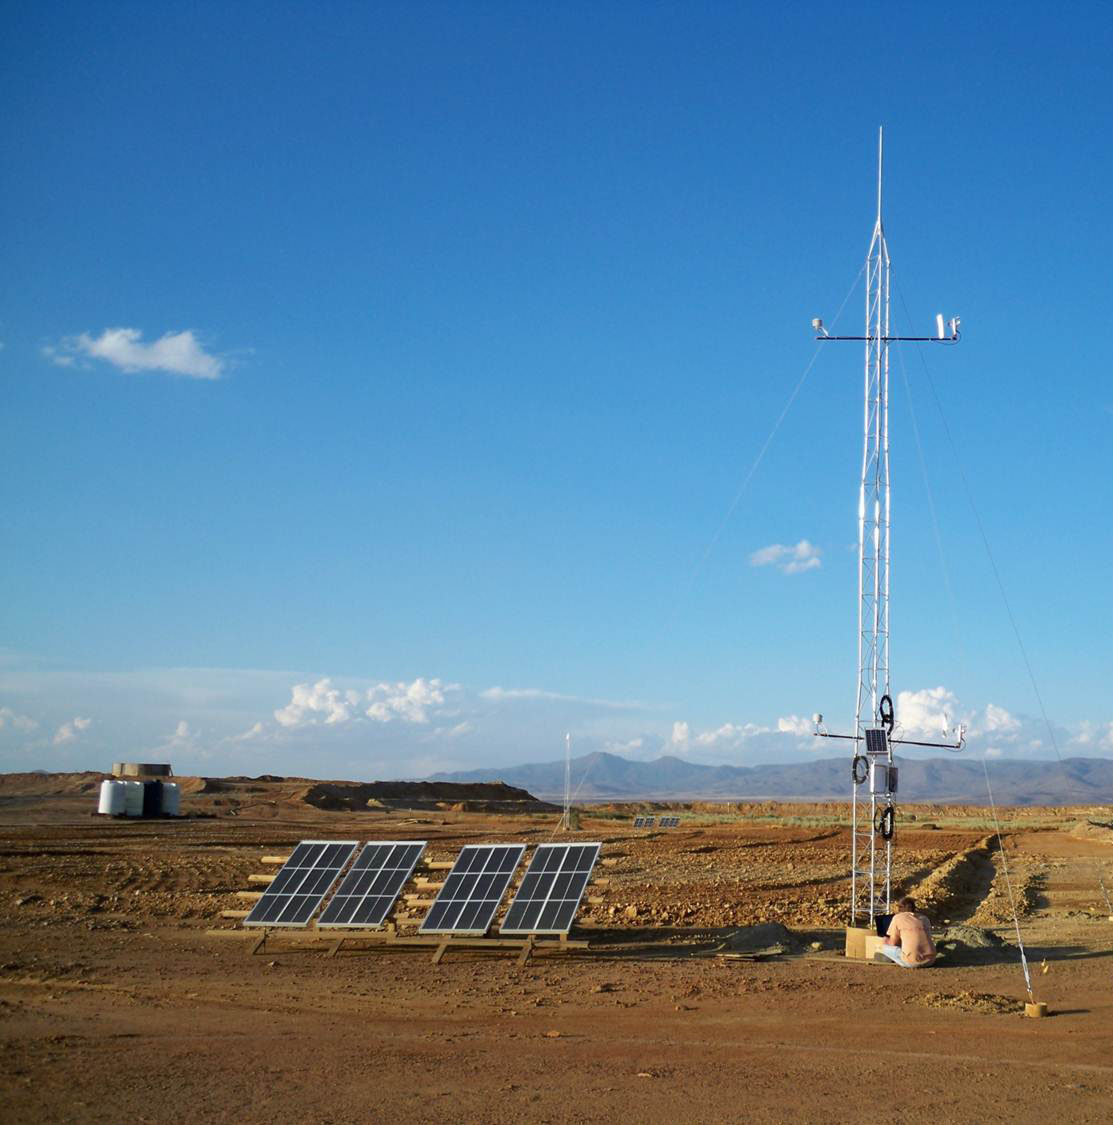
{"points": [[116, 1002]]}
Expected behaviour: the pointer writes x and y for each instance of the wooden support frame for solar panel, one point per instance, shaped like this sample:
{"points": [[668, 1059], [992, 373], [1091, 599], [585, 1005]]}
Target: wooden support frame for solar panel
{"points": [[333, 942]]}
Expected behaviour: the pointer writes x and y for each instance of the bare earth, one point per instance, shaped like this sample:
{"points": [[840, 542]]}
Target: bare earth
{"points": [[116, 1004]]}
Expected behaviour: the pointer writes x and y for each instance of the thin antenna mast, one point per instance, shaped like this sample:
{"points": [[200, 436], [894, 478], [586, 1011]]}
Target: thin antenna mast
{"points": [[872, 831], [566, 819]]}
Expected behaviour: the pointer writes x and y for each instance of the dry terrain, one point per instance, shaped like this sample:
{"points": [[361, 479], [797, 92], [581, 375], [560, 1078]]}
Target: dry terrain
{"points": [[116, 1002]]}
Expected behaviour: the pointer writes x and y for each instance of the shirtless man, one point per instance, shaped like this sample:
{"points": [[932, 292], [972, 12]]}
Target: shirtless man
{"points": [[908, 942]]}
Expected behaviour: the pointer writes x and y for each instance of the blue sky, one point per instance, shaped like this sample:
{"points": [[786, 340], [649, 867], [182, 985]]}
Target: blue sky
{"points": [[414, 354]]}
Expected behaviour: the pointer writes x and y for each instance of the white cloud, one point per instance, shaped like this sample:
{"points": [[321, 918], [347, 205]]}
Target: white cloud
{"points": [[794, 724], [179, 353], [409, 702], [458, 731], [67, 732], [930, 711], [534, 695], [256, 730], [729, 734], [680, 734], [22, 723], [56, 356], [308, 706], [1094, 735], [788, 560], [998, 720]]}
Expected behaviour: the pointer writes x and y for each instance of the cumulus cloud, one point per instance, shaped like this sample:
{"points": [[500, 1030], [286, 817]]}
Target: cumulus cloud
{"points": [[11, 719], [311, 705], [680, 735], [794, 724], [409, 702], [928, 712], [788, 560], [67, 732], [178, 353]]}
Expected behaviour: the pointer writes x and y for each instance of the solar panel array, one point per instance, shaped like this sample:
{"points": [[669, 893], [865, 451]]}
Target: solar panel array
{"points": [[301, 883], [876, 742], [644, 821], [669, 822], [471, 894], [547, 900], [373, 884]]}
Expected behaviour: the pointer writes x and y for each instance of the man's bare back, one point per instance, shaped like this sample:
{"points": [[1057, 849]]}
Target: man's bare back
{"points": [[912, 932]]}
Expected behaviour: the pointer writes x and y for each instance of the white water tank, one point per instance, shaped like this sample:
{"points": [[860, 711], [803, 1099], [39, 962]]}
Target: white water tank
{"points": [[171, 799], [133, 804], [113, 798]]}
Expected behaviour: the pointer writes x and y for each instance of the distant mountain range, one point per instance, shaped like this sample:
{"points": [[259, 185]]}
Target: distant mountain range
{"points": [[608, 777]]}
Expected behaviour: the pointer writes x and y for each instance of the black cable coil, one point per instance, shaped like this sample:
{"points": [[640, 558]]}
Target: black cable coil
{"points": [[886, 822]]}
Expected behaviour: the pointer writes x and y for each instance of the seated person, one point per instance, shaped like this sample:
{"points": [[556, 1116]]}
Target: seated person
{"points": [[908, 942]]}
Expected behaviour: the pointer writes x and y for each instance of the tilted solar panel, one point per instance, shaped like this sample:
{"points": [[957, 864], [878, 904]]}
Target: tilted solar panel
{"points": [[547, 900], [876, 742], [301, 883], [471, 894], [369, 891]]}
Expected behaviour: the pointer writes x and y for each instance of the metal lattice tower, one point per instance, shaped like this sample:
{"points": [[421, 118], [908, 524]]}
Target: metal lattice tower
{"points": [[874, 811], [873, 563]]}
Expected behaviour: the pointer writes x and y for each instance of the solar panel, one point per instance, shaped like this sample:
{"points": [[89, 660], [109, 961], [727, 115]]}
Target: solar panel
{"points": [[301, 883], [471, 894], [547, 900], [639, 822], [373, 883], [876, 742], [670, 822], [650, 821]]}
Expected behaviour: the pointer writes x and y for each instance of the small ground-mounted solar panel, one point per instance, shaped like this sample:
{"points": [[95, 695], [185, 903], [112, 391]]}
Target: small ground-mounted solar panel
{"points": [[639, 822], [876, 742], [471, 894], [369, 891], [547, 900], [301, 883]]}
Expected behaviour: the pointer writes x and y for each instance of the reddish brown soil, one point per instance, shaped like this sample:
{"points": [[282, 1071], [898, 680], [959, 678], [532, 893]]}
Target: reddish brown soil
{"points": [[114, 1002]]}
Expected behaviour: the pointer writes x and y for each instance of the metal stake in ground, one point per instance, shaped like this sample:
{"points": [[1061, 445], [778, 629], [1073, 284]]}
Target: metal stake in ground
{"points": [[872, 833]]}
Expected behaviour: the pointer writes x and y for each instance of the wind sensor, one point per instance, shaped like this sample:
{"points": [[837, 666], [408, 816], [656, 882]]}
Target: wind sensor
{"points": [[874, 773]]}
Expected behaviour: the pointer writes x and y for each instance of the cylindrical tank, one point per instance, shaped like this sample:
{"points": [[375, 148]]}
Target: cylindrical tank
{"points": [[113, 798], [134, 800], [171, 799], [152, 798]]}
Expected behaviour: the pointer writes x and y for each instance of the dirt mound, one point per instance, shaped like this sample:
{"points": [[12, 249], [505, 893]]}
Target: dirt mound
{"points": [[1099, 830], [972, 945], [340, 796], [765, 938], [973, 936], [985, 1003]]}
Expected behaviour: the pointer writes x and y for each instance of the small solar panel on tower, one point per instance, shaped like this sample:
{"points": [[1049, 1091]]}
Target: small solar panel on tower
{"points": [[876, 742], [301, 883], [369, 891], [471, 894], [547, 900]]}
